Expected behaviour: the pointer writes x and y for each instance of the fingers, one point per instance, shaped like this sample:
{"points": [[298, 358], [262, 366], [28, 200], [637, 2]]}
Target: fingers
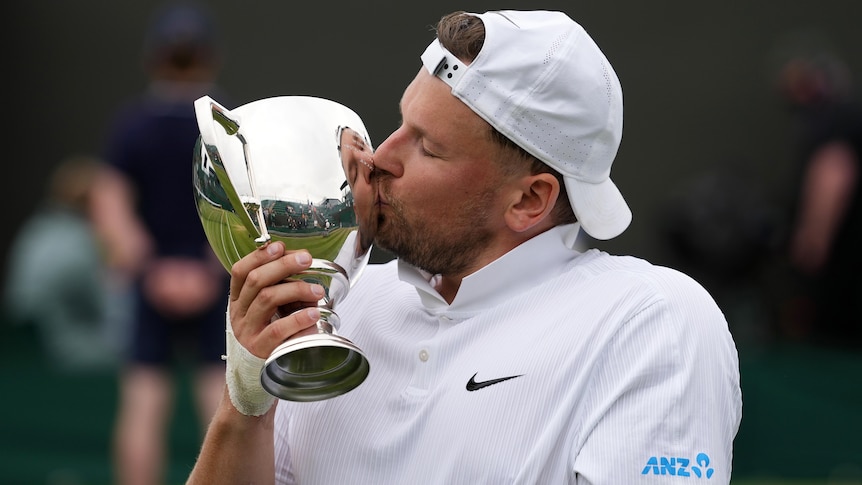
{"points": [[259, 287], [241, 269], [282, 329], [269, 299]]}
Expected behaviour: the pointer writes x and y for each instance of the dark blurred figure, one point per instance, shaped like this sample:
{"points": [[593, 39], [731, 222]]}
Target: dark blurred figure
{"points": [[58, 279], [721, 229], [148, 217], [826, 232]]}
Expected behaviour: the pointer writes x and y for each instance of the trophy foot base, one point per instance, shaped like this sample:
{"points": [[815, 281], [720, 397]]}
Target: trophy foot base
{"points": [[314, 368]]}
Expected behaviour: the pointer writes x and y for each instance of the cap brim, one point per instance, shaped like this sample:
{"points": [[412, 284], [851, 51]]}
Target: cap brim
{"points": [[600, 208]]}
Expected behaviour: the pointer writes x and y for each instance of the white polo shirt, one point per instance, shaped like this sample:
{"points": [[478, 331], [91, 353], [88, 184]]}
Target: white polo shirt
{"points": [[550, 366]]}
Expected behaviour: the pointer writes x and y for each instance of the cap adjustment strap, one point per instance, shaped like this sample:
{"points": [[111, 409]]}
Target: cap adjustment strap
{"points": [[443, 64]]}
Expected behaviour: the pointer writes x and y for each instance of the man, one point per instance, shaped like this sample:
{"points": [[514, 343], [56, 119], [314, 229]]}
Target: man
{"points": [[823, 247], [146, 217], [66, 289], [498, 353]]}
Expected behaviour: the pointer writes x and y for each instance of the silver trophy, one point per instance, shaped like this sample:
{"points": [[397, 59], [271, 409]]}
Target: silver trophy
{"points": [[294, 169]]}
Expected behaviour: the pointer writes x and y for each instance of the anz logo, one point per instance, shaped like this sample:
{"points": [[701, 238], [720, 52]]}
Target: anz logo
{"points": [[679, 467]]}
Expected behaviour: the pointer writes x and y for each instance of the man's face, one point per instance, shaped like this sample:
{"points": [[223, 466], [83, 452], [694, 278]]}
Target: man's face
{"points": [[439, 183]]}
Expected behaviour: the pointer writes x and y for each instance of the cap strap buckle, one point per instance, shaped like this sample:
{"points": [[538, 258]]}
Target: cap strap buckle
{"points": [[442, 63]]}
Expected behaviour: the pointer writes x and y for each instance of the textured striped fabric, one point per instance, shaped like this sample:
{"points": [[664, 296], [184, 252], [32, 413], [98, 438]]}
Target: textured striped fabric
{"points": [[611, 371]]}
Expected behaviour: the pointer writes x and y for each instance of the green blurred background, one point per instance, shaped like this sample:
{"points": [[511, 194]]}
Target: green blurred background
{"points": [[801, 419], [698, 78]]}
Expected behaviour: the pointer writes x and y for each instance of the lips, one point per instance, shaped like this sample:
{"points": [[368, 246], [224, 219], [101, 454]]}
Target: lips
{"points": [[381, 199]]}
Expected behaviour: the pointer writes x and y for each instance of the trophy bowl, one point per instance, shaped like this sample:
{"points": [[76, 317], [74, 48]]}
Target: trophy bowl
{"points": [[294, 169]]}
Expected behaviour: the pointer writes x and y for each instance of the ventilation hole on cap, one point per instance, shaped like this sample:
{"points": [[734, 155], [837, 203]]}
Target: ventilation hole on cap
{"points": [[554, 46], [445, 66], [449, 75], [455, 67], [607, 82]]}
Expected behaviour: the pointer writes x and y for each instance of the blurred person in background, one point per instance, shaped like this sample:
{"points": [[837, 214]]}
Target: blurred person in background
{"points": [[720, 228], [150, 224], [826, 218], [57, 277]]}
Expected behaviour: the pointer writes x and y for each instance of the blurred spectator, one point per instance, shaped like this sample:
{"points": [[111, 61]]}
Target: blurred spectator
{"points": [[149, 221], [720, 228], [826, 233], [58, 279]]}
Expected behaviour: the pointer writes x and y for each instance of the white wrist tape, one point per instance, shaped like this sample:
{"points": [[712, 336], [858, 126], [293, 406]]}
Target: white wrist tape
{"points": [[243, 376]]}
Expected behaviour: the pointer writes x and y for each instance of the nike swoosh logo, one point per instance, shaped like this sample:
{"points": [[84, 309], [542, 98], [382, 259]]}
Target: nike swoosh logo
{"points": [[472, 385]]}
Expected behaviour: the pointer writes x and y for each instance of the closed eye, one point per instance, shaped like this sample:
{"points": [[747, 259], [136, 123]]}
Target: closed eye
{"points": [[428, 153]]}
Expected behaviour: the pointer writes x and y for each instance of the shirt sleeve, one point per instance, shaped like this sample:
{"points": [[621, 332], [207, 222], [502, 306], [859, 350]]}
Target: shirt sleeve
{"points": [[666, 403]]}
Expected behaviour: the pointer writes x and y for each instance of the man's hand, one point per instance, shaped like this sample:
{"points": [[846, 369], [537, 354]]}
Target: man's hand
{"points": [[181, 287], [259, 287], [255, 326]]}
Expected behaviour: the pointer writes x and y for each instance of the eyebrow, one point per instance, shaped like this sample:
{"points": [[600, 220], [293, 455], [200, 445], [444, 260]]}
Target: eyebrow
{"points": [[436, 147]]}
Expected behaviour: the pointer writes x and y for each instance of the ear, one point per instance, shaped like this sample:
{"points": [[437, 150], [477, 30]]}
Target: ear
{"points": [[532, 202]]}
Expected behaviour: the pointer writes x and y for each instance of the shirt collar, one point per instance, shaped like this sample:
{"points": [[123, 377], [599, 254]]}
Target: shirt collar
{"points": [[525, 266]]}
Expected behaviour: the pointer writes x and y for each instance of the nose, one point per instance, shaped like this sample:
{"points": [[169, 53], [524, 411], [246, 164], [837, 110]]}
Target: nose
{"points": [[389, 155]]}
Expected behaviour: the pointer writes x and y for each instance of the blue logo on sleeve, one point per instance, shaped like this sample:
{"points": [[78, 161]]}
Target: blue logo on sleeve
{"points": [[679, 467]]}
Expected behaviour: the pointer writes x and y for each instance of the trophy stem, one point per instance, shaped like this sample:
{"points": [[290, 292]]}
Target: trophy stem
{"points": [[315, 366]]}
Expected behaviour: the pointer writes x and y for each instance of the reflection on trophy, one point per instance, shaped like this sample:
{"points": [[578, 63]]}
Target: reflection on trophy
{"points": [[293, 169]]}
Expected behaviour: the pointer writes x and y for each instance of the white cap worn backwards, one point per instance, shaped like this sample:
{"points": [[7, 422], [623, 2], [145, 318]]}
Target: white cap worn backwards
{"points": [[541, 81]]}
